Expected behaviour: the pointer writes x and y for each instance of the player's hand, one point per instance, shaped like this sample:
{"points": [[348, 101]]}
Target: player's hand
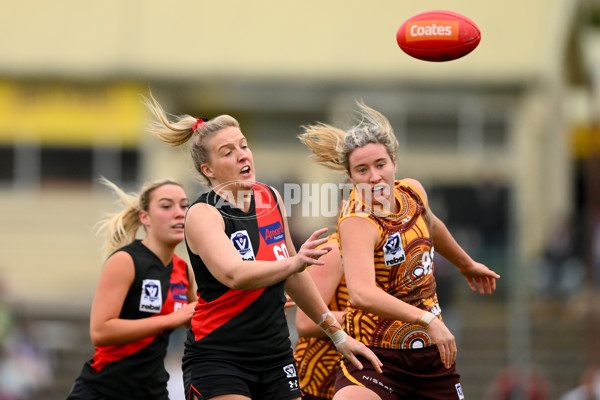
{"points": [[444, 340], [352, 347], [183, 314], [289, 303], [309, 254], [480, 277]]}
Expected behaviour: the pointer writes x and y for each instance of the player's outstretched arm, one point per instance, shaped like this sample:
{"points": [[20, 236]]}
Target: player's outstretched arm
{"points": [[305, 294]]}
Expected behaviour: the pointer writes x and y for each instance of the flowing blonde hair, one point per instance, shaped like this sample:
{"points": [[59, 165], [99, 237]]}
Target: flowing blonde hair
{"points": [[331, 146], [181, 129], [121, 227]]}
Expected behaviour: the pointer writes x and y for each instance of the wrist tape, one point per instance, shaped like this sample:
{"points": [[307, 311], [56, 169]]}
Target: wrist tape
{"points": [[425, 319], [332, 328]]}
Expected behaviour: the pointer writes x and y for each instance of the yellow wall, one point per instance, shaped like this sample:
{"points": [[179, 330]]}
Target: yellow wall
{"points": [[61, 113]]}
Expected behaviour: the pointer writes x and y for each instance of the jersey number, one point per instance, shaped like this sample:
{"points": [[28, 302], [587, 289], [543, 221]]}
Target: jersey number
{"points": [[281, 252]]}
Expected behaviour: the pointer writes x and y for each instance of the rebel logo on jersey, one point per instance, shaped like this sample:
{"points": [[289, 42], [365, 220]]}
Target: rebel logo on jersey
{"points": [[393, 251], [151, 299]]}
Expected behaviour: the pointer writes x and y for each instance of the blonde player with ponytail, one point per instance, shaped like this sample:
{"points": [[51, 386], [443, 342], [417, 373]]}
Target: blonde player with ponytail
{"points": [[387, 234], [145, 291], [244, 261]]}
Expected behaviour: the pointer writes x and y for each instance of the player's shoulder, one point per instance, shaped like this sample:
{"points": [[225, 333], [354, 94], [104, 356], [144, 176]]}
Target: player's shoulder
{"points": [[414, 185]]}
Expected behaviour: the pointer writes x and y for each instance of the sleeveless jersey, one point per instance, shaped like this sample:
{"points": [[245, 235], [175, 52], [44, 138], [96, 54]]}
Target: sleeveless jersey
{"points": [[317, 357], [136, 370], [403, 258], [237, 324]]}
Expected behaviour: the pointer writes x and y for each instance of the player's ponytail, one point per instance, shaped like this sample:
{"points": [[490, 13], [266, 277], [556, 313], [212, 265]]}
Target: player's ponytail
{"points": [[121, 227], [325, 142], [185, 127], [331, 146]]}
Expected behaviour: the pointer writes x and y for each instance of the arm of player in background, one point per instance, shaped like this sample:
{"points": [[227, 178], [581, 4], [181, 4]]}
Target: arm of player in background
{"points": [[479, 276], [106, 328], [326, 278]]}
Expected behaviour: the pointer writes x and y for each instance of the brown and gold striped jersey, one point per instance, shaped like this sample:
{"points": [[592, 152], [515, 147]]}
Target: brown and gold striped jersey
{"points": [[403, 260]]}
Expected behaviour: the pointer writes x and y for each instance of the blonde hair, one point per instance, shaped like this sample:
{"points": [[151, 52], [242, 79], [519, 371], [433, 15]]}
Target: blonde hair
{"points": [[179, 131], [121, 227], [331, 147]]}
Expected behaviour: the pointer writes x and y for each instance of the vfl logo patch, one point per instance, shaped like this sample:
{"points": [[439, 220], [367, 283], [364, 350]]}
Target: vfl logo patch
{"points": [[241, 241], [151, 299], [272, 233], [290, 371], [393, 251]]}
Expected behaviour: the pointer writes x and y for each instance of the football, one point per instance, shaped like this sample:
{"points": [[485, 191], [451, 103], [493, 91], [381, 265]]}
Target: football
{"points": [[438, 36]]}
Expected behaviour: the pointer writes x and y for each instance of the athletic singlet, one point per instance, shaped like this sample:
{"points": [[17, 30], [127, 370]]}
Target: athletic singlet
{"points": [[317, 357], [403, 257], [136, 370], [237, 324]]}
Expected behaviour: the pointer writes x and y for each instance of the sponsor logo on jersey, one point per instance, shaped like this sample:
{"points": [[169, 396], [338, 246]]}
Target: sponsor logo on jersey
{"points": [[293, 384], [459, 391], [272, 233], [179, 291], [393, 251], [151, 299], [241, 241], [290, 371]]}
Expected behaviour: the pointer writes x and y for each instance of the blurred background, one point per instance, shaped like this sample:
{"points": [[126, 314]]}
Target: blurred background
{"points": [[505, 140]]}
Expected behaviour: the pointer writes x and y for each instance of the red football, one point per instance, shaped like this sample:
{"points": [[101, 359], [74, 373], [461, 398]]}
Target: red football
{"points": [[438, 36]]}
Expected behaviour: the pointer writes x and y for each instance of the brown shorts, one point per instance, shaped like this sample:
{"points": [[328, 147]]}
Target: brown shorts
{"points": [[306, 396], [407, 374]]}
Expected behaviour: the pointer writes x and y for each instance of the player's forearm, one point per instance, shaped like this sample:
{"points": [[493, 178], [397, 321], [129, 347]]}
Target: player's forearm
{"points": [[445, 244], [307, 327], [120, 331], [305, 294]]}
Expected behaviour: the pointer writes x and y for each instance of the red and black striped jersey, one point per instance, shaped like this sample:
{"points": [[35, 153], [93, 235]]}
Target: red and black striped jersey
{"points": [[136, 370], [228, 323]]}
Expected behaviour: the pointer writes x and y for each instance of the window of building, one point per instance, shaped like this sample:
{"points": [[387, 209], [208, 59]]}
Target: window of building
{"points": [[31, 165], [7, 160]]}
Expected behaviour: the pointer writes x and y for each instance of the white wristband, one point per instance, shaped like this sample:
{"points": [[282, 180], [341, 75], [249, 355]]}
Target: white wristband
{"points": [[425, 319]]}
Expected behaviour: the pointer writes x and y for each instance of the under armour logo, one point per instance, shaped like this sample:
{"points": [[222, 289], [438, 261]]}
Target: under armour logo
{"points": [[293, 384]]}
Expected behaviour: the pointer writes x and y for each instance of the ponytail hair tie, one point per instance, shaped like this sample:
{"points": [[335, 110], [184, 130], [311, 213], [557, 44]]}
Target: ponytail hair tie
{"points": [[199, 123]]}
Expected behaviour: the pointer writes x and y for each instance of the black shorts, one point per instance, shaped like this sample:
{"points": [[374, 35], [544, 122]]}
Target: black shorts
{"points": [[407, 374], [205, 379], [82, 391]]}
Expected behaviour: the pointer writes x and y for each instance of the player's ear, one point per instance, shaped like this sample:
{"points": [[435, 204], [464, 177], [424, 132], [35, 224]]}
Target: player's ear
{"points": [[349, 176], [207, 171], [144, 218]]}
